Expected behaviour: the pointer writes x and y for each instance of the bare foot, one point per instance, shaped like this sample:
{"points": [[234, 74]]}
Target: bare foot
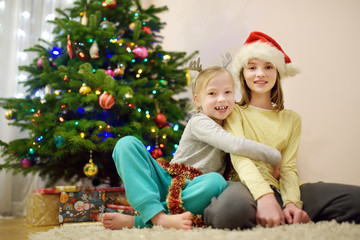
{"points": [[178, 221], [118, 221]]}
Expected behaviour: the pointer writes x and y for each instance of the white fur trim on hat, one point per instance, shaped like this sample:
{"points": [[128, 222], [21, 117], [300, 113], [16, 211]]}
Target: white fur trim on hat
{"points": [[265, 52]]}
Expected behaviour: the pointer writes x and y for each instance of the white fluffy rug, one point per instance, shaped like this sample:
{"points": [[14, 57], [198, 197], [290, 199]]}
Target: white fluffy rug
{"points": [[318, 231]]}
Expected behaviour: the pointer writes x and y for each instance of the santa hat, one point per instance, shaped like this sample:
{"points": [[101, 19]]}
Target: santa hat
{"points": [[261, 46]]}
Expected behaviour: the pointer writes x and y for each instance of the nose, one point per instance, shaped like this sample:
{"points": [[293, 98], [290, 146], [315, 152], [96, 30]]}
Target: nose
{"points": [[221, 98], [260, 73]]}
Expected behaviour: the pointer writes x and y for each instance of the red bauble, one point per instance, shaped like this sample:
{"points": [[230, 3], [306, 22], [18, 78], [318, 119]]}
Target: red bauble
{"points": [[146, 29], [106, 100], [110, 3], [156, 153], [26, 163], [140, 52], [160, 120]]}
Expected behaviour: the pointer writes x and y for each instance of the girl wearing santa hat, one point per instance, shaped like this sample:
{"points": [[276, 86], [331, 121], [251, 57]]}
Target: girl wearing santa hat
{"points": [[260, 196]]}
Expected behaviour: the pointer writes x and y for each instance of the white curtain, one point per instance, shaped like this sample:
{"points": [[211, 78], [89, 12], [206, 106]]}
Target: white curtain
{"points": [[22, 23]]}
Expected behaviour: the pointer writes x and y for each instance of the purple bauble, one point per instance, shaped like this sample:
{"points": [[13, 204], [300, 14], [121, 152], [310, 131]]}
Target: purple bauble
{"points": [[25, 163], [140, 52]]}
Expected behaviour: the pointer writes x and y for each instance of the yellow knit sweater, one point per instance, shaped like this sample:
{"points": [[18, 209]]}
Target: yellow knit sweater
{"points": [[280, 130]]}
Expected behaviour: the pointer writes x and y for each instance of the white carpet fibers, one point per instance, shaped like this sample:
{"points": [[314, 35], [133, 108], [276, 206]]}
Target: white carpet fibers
{"points": [[318, 231]]}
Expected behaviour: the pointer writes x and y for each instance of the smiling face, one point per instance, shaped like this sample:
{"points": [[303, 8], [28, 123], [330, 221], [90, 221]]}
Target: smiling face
{"points": [[260, 77], [216, 99]]}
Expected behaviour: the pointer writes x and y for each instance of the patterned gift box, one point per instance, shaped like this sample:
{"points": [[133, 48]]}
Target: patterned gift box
{"points": [[116, 195], [43, 208], [81, 206], [121, 208]]}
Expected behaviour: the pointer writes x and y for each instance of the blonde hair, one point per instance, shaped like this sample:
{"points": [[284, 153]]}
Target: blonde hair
{"points": [[201, 81], [276, 96]]}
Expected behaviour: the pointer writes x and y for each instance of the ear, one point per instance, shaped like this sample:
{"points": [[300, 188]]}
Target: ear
{"points": [[197, 100]]}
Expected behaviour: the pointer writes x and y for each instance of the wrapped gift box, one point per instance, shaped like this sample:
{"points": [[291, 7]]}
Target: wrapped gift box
{"points": [[116, 196], [81, 206], [43, 208], [121, 208]]}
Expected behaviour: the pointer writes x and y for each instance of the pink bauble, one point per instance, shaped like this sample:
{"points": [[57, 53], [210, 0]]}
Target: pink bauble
{"points": [[39, 63], [106, 100], [109, 71], [140, 52], [25, 163]]}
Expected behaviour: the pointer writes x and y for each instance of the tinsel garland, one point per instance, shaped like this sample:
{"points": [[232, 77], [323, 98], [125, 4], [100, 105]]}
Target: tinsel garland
{"points": [[180, 172]]}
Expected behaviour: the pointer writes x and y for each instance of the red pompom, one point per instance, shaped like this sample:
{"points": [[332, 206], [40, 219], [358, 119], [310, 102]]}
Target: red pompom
{"points": [[160, 120], [106, 101]]}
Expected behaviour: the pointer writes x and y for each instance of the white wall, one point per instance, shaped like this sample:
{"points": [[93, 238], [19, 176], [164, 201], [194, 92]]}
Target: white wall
{"points": [[322, 36]]}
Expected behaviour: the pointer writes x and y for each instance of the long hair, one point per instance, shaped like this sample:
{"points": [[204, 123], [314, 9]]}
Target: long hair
{"points": [[200, 82], [276, 96]]}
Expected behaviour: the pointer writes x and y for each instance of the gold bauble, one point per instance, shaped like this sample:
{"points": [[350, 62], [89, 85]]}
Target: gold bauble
{"points": [[90, 169], [85, 89], [9, 114]]}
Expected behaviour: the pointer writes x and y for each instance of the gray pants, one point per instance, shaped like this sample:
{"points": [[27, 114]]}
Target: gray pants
{"points": [[236, 208]]}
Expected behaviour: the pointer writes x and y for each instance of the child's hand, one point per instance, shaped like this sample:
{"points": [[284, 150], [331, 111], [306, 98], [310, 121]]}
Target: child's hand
{"points": [[276, 170]]}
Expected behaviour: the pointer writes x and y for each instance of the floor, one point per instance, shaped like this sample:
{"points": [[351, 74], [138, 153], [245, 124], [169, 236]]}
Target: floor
{"points": [[16, 229]]}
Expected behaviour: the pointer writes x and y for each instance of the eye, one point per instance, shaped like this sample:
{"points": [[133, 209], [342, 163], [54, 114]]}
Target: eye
{"points": [[211, 93], [228, 92], [269, 67]]}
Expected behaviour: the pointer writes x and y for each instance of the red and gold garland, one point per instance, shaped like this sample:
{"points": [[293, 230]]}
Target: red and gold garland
{"points": [[180, 172]]}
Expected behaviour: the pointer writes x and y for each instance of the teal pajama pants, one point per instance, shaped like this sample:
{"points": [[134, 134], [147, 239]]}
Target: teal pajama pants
{"points": [[146, 183]]}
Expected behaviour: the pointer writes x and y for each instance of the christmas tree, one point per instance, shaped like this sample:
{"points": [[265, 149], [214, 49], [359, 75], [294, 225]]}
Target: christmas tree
{"points": [[103, 77]]}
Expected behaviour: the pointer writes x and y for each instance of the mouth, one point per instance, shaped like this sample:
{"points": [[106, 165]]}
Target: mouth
{"points": [[260, 82], [221, 108]]}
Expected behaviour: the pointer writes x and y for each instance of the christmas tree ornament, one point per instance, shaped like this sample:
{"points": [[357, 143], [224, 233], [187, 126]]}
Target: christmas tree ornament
{"points": [[39, 63], [69, 47], [90, 169], [109, 71], [156, 153], [146, 29], [94, 50], [132, 26], [140, 52], [84, 89], [59, 141], [119, 71], [9, 114], [160, 120], [26, 163], [188, 76], [104, 24], [106, 100], [66, 78], [110, 3], [84, 19]]}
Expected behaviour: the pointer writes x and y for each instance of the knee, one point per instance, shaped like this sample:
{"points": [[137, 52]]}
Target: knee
{"points": [[214, 183], [125, 144], [232, 209]]}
